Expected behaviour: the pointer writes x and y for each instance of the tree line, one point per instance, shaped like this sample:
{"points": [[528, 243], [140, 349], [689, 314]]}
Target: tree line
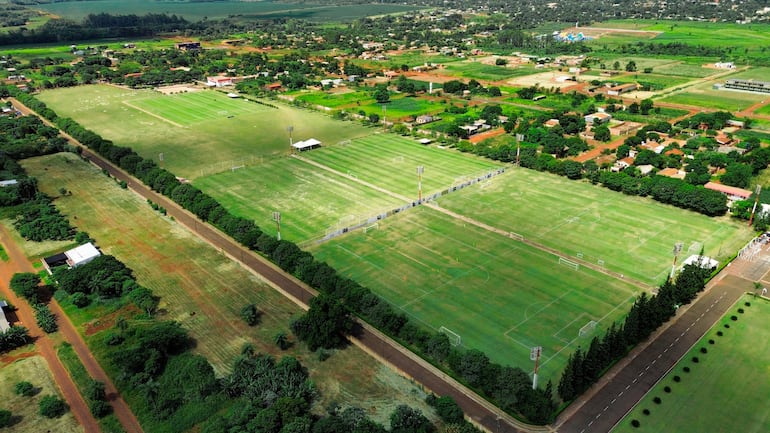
{"points": [[472, 367], [586, 365]]}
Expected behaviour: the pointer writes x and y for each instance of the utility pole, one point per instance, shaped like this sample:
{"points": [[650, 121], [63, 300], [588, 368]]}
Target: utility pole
{"points": [[677, 249], [290, 129], [534, 355], [277, 219], [756, 201], [420, 170]]}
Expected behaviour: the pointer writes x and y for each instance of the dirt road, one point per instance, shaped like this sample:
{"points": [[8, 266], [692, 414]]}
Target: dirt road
{"points": [[18, 263]]}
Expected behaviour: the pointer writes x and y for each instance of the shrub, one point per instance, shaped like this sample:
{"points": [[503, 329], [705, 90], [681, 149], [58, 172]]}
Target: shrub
{"points": [[52, 407], [733, 318], [646, 411], [6, 418], [250, 315], [703, 350], [727, 326], [686, 369], [677, 379], [24, 388], [323, 355], [80, 299], [667, 389], [720, 333], [45, 318], [100, 408], [656, 400], [113, 339], [711, 341], [635, 423], [748, 304], [740, 310], [695, 360]]}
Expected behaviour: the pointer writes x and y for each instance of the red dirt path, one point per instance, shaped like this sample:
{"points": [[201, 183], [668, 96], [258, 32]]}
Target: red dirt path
{"points": [[18, 263]]}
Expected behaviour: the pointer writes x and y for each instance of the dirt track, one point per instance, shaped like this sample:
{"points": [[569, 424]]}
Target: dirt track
{"points": [[19, 263]]}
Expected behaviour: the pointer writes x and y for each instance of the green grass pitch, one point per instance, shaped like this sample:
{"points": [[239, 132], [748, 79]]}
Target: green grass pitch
{"points": [[501, 296], [632, 235], [725, 391], [193, 130], [311, 200], [391, 162]]}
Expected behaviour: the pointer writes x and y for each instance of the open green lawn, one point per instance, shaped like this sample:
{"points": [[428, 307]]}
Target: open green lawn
{"points": [[725, 391], [481, 71], [686, 70], [703, 95], [654, 81], [311, 200], [214, 143], [34, 369], [402, 107], [632, 235], [190, 277], [764, 110], [754, 73], [335, 99], [662, 113], [391, 162], [501, 296]]}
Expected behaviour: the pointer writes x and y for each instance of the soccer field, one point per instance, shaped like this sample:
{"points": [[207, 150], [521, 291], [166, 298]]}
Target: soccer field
{"points": [[391, 162], [634, 236], [198, 133], [310, 200], [501, 296], [726, 391]]}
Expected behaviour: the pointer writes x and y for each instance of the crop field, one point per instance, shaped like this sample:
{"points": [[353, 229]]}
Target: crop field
{"points": [[631, 235], [239, 10], [311, 200], [725, 391], [204, 290], [214, 144], [34, 369], [391, 162], [501, 296], [662, 114], [756, 73]]}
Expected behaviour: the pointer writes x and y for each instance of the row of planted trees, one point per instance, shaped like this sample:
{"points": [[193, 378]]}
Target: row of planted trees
{"points": [[509, 387]]}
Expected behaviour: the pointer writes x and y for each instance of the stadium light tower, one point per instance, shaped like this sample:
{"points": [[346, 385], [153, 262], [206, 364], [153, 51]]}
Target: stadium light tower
{"points": [[277, 219], [534, 355], [290, 129], [677, 249], [756, 201], [420, 170]]}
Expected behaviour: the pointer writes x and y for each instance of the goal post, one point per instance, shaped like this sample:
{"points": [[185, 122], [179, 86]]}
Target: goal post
{"points": [[569, 263], [369, 228], [516, 236], [587, 329], [454, 338]]}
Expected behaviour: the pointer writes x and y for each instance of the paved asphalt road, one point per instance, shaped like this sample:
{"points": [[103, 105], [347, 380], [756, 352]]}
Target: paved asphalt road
{"points": [[608, 404]]}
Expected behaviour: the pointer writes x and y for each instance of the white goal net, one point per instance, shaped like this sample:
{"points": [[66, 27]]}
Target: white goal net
{"points": [[454, 338], [569, 263], [587, 329]]}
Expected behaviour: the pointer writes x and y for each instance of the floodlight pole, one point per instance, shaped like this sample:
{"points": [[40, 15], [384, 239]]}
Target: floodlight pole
{"points": [[290, 129], [384, 122], [538, 351], [160, 158], [756, 201], [677, 250], [277, 219], [420, 170]]}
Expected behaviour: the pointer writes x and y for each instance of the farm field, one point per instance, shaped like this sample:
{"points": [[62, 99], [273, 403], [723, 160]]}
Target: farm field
{"points": [[192, 277], [195, 11], [310, 199], [632, 235], [686, 70], [725, 390], [655, 81], [334, 100], [481, 71], [390, 161], [501, 296], [204, 147], [31, 368]]}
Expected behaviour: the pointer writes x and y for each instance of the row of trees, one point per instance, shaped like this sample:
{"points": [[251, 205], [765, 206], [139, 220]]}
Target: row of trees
{"points": [[585, 366], [534, 405]]}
